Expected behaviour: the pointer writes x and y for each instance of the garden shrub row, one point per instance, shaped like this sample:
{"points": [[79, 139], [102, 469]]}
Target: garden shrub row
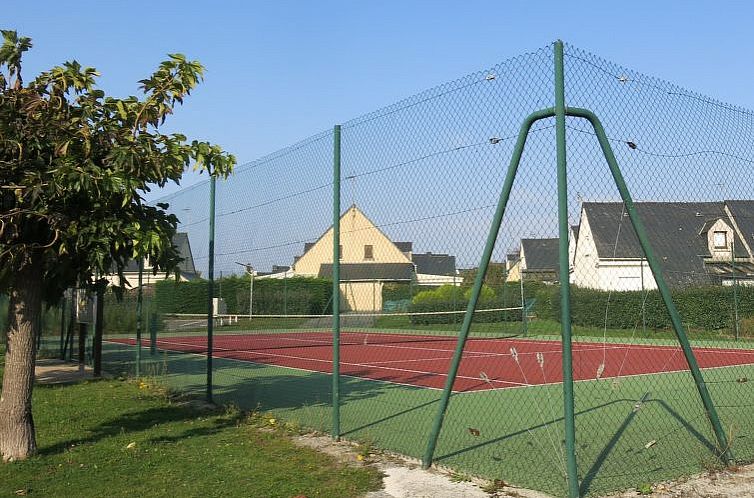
{"points": [[295, 296], [708, 307], [451, 298]]}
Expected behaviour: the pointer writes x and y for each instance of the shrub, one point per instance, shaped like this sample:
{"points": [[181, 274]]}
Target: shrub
{"points": [[707, 307], [298, 295]]}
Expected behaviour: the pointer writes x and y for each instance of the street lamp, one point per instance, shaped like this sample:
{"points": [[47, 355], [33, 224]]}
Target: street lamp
{"points": [[250, 270]]}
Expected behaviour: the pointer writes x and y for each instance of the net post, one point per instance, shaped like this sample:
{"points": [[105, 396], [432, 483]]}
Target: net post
{"points": [[479, 280], [139, 305], [210, 284], [336, 286], [564, 277], [722, 440]]}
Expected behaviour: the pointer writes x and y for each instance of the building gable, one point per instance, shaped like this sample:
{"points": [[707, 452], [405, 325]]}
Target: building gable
{"points": [[360, 240]]}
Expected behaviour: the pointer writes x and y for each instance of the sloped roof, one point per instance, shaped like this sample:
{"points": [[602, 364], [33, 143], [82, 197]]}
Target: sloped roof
{"points": [[186, 266], [675, 230], [434, 264], [743, 214], [353, 208], [404, 246], [540, 254], [369, 271]]}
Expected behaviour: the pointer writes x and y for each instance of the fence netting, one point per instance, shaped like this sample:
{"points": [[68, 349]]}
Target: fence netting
{"points": [[419, 184]]}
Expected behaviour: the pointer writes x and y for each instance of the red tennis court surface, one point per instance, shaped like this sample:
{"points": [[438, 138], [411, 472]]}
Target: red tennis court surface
{"points": [[423, 361]]}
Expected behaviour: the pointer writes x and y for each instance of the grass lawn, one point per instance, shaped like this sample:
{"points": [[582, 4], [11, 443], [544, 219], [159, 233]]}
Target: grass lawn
{"points": [[119, 438]]}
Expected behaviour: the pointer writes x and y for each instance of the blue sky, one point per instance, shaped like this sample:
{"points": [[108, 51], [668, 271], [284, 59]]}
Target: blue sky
{"points": [[280, 71]]}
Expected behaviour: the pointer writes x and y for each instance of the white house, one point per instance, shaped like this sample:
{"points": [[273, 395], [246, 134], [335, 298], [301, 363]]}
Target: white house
{"points": [[186, 269], [696, 243]]}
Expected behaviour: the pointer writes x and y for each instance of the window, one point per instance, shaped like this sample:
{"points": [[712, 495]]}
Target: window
{"points": [[720, 240], [368, 252], [340, 252]]}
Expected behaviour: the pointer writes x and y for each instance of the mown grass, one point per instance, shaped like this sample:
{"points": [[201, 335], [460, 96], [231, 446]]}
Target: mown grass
{"points": [[122, 438]]}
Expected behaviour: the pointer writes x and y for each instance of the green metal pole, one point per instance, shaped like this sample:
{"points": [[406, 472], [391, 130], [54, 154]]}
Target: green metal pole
{"points": [[735, 286], [524, 326], [336, 286], [139, 303], [211, 285], [62, 328], [565, 280], [479, 280], [654, 265]]}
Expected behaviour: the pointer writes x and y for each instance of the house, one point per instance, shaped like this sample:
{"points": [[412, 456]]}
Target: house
{"points": [[538, 259], [186, 269], [435, 269], [368, 260], [696, 243]]}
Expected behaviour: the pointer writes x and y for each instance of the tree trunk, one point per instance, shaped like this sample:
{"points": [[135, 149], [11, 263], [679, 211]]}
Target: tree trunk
{"points": [[17, 437]]}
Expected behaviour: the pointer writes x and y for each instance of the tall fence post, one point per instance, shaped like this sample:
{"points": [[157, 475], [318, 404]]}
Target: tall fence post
{"points": [[63, 304], [139, 304], [211, 285], [98, 330], [336, 286], [564, 277]]}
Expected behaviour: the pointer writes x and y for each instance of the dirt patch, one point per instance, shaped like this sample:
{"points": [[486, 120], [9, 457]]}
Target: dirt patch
{"points": [[735, 483], [404, 477], [49, 371]]}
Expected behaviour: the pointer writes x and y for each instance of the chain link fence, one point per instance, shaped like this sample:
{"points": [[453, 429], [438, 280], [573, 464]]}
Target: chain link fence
{"points": [[348, 266]]}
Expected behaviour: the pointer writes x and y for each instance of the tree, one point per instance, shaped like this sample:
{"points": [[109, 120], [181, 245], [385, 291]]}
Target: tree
{"points": [[74, 166]]}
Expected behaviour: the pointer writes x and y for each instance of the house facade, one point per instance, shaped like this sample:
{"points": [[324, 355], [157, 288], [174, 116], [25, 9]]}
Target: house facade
{"points": [[368, 260], [696, 243], [538, 259]]}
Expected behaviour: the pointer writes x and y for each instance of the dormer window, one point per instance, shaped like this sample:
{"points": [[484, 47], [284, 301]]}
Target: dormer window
{"points": [[720, 240]]}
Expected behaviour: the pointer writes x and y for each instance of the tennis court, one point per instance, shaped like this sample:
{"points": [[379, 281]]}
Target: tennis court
{"points": [[423, 360]]}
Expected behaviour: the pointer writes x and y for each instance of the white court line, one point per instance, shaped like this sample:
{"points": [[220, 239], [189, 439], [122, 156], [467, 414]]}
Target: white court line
{"points": [[362, 365], [576, 350]]}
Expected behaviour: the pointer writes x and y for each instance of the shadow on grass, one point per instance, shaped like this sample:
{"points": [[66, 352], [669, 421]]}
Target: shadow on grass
{"points": [[139, 421]]}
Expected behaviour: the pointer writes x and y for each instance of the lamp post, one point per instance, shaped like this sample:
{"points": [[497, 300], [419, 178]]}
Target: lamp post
{"points": [[250, 270]]}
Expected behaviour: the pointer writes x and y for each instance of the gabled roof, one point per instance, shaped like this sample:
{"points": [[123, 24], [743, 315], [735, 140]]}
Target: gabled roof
{"points": [[434, 264], [674, 230], [186, 266], [352, 209], [743, 215], [369, 271], [404, 246], [540, 254]]}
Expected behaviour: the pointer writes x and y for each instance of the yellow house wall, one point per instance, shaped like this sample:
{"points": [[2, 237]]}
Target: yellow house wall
{"points": [[362, 296]]}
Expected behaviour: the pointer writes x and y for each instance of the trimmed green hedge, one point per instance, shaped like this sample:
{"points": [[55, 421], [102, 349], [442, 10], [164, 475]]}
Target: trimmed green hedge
{"points": [[709, 307], [450, 298], [296, 296]]}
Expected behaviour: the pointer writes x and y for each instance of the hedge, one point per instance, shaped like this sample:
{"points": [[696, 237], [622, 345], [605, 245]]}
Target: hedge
{"points": [[708, 307], [296, 296], [450, 298]]}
